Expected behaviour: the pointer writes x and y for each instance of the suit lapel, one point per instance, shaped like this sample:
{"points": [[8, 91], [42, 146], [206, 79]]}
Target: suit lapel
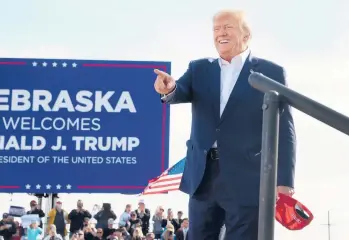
{"points": [[214, 79], [240, 87]]}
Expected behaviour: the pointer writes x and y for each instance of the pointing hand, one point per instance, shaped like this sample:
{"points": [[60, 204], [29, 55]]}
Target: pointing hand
{"points": [[164, 83]]}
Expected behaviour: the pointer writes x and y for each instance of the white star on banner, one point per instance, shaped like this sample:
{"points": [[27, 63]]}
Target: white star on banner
{"points": [[38, 186], [58, 186], [44, 64], [54, 64], [64, 64], [68, 186], [48, 186], [27, 186], [74, 65], [35, 64]]}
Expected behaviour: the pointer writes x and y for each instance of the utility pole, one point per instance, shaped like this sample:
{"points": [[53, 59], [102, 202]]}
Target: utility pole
{"points": [[329, 224]]}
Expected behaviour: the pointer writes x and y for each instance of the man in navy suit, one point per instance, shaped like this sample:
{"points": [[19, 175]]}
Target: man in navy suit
{"points": [[222, 171]]}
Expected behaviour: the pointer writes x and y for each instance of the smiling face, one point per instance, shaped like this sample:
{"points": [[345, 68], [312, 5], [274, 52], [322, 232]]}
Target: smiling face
{"points": [[231, 34]]}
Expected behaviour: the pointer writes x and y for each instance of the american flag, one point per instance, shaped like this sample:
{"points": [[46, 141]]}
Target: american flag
{"points": [[167, 181]]}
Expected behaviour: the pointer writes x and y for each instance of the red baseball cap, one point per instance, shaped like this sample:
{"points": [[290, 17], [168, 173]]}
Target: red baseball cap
{"points": [[292, 214]]}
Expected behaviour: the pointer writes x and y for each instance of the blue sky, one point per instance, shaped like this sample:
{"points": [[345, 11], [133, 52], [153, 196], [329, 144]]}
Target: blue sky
{"points": [[309, 38]]}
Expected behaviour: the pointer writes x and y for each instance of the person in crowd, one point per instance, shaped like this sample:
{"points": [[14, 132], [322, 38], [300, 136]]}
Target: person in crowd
{"points": [[19, 232], [77, 217], [113, 237], [35, 209], [135, 222], [125, 216], [169, 233], [110, 229], [96, 208], [171, 220], [58, 217], [179, 219], [90, 231], [125, 234], [52, 233], [33, 231], [7, 227], [104, 215], [224, 149], [99, 235], [78, 235], [182, 233], [86, 222], [117, 234], [137, 234], [150, 236], [143, 214], [157, 222]]}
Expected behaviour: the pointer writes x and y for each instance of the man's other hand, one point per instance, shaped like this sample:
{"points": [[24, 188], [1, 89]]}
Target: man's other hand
{"points": [[164, 83]]}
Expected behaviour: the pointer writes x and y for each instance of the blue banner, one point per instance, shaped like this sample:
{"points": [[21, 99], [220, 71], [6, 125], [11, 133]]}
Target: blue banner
{"points": [[79, 126]]}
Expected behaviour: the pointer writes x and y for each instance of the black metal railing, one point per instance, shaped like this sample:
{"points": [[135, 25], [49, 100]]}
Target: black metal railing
{"points": [[274, 93]]}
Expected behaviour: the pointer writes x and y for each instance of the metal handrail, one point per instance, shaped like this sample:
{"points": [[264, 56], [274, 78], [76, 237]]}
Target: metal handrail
{"points": [[274, 94], [301, 102]]}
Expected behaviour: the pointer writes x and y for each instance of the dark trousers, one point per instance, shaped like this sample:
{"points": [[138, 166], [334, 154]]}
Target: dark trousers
{"points": [[61, 232], [145, 231], [210, 208], [158, 236]]}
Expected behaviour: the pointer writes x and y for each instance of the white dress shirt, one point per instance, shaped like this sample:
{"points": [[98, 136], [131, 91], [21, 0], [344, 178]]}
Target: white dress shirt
{"points": [[230, 72], [185, 231]]}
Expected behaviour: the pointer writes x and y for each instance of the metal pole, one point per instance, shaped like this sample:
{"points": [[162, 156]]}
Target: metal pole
{"points": [[54, 200], [48, 209], [329, 225], [40, 202], [302, 103], [269, 157]]}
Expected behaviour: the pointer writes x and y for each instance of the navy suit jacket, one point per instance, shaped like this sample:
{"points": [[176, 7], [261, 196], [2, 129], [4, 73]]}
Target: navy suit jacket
{"points": [[238, 131]]}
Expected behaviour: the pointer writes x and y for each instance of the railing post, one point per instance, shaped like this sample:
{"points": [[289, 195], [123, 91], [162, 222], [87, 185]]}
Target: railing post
{"points": [[269, 157]]}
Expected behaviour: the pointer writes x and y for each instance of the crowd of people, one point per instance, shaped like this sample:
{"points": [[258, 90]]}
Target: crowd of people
{"points": [[80, 224]]}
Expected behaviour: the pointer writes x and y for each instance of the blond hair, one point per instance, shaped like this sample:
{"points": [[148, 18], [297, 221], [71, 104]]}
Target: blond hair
{"points": [[240, 17], [53, 228], [139, 231], [169, 227]]}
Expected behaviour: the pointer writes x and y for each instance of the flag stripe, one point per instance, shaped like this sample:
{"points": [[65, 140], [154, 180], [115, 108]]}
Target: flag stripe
{"points": [[158, 192], [169, 180], [164, 185]]}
